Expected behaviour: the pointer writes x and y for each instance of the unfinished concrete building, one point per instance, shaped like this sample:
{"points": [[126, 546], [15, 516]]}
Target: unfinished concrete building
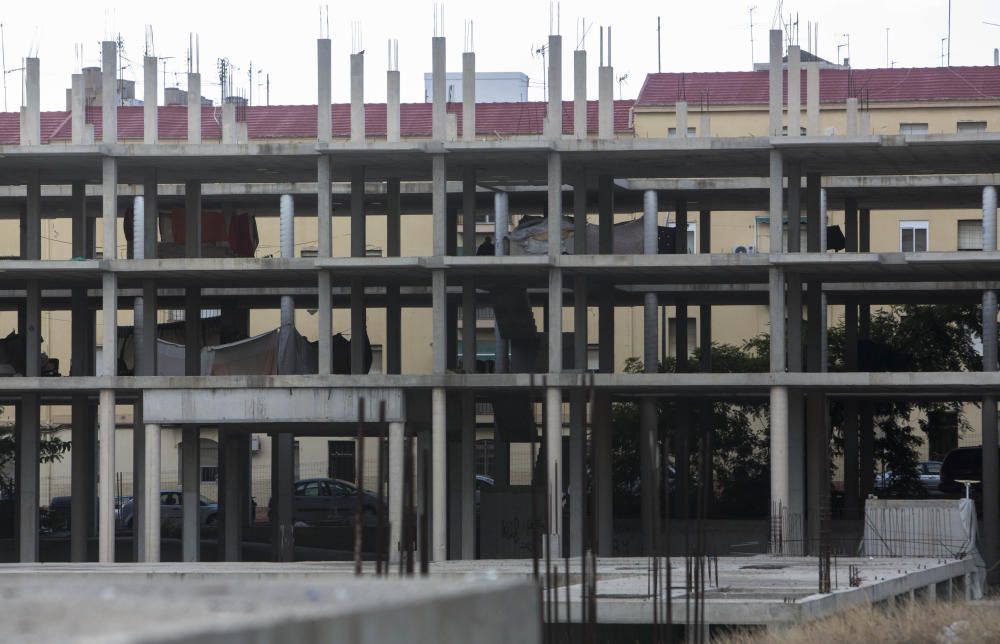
{"points": [[577, 167]]}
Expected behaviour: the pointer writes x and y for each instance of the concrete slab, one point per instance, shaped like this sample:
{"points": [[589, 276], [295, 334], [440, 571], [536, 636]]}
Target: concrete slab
{"points": [[134, 606]]}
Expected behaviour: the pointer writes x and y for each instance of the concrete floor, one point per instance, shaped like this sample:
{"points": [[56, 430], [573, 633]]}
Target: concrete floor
{"points": [[761, 590]]}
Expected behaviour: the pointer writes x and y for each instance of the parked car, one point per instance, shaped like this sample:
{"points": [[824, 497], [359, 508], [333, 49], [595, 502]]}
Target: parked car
{"points": [[325, 501], [929, 473], [172, 513], [963, 464]]}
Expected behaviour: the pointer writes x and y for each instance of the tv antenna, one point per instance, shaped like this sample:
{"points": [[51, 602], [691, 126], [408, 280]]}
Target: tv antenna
{"points": [[541, 51], [752, 57], [621, 81]]}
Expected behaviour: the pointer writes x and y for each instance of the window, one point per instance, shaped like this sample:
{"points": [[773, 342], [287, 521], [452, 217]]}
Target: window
{"points": [[692, 236], [312, 488], [913, 128], [341, 460], [692, 334], [377, 352], [970, 234], [308, 252], [484, 456], [672, 132], [373, 251], [912, 236], [971, 126], [593, 357]]}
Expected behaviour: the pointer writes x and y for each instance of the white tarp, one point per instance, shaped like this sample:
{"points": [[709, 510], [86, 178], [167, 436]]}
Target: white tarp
{"points": [[924, 528], [257, 356]]}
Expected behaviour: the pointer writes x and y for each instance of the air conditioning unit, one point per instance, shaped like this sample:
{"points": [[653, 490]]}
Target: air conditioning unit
{"points": [[744, 249]]}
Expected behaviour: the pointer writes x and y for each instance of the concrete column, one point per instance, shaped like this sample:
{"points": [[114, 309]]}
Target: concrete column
{"points": [[81, 364], [324, 84], [991, 478], [774, 83], [554, 115], [282, 490], [852, 116], [392, 107], [78, 112], [151, 522], [794, 90], [393, 309], [866, 416], [358, 98], [194, 107], [648, 424], [109, 91], [553, 455], [469, 96], [500, 228], [286, 238], [192, 219], [439, 476], [106, 495], [852, 497], [439, 116], [605, 102], [681, 119], [553, 405], [467, 464], [776, 208], [324, 245], [31, 123], [106, 490], [191, 434], [28, 434], [580, 96], [812, 99], [397, 433], [358, 238], [231, 494], [150, 132]]}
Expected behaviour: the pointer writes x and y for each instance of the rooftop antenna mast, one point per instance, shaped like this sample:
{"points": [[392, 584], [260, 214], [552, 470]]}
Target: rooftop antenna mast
{"points": [[3, 62], [753, 58], [540, 51], [621, 81], [949, 33], [659, 57]]}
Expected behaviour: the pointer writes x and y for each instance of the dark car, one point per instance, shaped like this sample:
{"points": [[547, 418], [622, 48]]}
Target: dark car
{"points": [[324, 501], [172, 513], [963, 464]]}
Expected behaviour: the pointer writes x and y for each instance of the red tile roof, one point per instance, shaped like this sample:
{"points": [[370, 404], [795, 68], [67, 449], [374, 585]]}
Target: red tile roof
{"points": [[835, 85], [299, 121]]}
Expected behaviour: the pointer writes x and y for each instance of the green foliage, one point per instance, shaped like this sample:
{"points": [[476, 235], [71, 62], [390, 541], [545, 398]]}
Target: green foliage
{"points": [[903, 338], [52, 449]]}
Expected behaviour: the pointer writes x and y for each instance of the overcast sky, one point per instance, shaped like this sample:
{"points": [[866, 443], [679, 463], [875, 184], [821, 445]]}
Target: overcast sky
{"points": [[279, 38]]}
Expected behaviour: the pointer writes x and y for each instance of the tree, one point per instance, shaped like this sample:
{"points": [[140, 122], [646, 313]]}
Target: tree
{"points": [[51, 449], [902, 338]]}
